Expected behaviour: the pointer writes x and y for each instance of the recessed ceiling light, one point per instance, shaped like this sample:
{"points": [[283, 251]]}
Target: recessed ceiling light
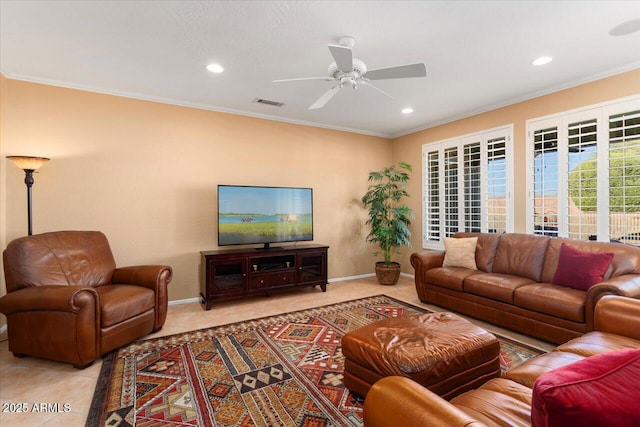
{"points": [[215, 68], [543, 60], [407, 110]]}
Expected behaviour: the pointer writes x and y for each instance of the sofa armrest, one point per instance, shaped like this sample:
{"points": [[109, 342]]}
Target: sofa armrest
{"points": [[627, 285], [399, 401], [426, 260], [154, 277], [618, 315], [421, 262], [70, 299]]}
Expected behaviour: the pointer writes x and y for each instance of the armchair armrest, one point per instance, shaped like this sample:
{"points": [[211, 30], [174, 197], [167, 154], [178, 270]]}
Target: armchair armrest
{"points": [[70, 299], [399, 401], [618, 315], [627, 285], [154, 277], [54, 322], [149, 276]]}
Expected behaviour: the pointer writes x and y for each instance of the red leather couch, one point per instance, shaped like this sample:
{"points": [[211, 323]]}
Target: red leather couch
{"points": [[512, 288], [507, 401]]}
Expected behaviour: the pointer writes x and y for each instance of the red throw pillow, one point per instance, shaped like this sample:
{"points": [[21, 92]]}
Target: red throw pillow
{"points": [[581, 270], [601, 390]]}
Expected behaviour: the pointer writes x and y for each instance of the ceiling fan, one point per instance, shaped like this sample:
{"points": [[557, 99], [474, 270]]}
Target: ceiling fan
{"points": [[349, 71]]}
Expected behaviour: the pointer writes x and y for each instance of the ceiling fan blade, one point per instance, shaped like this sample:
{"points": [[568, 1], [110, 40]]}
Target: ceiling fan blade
{"points": [[327, 79], [325, 98], [401, 72], [343, 57], [368, 83]]}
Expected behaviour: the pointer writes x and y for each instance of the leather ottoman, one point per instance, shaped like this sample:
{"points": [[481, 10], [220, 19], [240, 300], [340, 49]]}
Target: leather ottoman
{"points": [[441, 351]]}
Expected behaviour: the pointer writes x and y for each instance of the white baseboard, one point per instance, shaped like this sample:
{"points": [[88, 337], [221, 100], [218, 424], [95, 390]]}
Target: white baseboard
{"points": [[344, 279], [184, 301]]}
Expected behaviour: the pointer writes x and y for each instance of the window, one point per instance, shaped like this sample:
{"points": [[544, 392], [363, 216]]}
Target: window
{"points": [[583, 170], [467, 185]]}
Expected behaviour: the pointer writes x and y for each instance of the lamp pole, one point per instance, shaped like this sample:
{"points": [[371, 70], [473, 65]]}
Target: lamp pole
{"points": [[29, 165], [28, 180]]}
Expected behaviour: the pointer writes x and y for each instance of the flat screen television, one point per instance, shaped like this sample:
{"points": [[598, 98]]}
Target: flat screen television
{"points": [[264, 215]]}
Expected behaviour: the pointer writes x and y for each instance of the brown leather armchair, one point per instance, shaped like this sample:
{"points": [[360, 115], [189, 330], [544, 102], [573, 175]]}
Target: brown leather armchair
{"points": [[67, 301]]}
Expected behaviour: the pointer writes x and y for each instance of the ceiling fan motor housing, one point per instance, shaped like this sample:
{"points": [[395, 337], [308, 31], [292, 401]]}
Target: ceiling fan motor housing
{"points": [[359, 69]]}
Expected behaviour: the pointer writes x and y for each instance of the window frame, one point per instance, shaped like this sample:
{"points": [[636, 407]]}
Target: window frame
{"points": [[600, 113], [459, 143]]}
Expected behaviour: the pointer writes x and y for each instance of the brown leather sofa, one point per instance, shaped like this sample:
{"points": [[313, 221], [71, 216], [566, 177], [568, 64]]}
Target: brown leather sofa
{"points": [[66, 300], [505, 401], [512, 288]]}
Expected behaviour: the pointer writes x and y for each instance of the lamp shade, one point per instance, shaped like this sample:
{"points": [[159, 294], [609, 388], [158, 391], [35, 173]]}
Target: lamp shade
{"points": [[28, 162]]}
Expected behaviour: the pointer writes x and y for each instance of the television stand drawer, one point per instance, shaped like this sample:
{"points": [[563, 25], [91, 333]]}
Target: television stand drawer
{"points": [[262, 280]]}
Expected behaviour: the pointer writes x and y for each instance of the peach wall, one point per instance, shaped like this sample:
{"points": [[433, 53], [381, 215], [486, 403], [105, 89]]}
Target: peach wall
{"points": [[409, 147], [146, 173]]}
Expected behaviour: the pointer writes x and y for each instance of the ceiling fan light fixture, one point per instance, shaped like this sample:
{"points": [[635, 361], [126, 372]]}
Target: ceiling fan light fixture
{"points": [[215, 68], [543, 60]]}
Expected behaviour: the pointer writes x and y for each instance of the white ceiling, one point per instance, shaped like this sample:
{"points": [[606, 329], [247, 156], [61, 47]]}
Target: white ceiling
{"points": [[477, 53]]}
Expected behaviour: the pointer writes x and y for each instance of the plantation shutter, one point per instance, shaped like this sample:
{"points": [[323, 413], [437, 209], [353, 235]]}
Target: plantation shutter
{"points": [[466, 185], [545, 181], [624, 176], [582, 177], [496, 201], [432, 198], [584, 173], [451, 191], [472, 191]]}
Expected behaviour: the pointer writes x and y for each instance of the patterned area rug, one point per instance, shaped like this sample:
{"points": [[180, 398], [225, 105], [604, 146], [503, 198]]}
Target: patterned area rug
{"points": [[282, 370]]}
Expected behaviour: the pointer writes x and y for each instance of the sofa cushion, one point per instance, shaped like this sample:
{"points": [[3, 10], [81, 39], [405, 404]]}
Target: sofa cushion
{"points": [[597, 391], [558, 301], [626, 259], [496, 286], [528, 372], [449, 277], [521, 255], [581, 270], [460, 252], [485, 248], [596, 342], [497, 402]]}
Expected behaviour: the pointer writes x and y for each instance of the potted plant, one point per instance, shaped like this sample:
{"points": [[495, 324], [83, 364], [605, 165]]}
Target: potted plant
{"points": [[388, 218]]}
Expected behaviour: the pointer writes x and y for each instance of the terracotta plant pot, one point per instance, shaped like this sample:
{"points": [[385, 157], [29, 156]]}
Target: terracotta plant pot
{"points": [[387, 274]]}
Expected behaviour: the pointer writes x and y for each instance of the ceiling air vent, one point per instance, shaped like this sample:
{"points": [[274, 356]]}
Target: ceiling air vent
{"points": [[268, 102]]}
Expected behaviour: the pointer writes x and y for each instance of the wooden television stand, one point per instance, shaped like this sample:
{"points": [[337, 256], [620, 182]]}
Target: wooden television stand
{"points": [[226, 274]]}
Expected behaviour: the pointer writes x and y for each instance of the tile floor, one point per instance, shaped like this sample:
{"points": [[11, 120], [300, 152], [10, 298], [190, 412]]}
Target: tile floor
{"points": [[30, 382]]}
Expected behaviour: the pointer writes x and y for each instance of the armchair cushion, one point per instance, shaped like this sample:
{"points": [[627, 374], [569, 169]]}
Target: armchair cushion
{"points": [[68, 258], [122, 302], [581, 393]]}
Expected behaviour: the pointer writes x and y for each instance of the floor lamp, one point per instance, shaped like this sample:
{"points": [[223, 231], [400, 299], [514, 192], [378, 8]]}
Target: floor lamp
{"points": [[29, 165]]}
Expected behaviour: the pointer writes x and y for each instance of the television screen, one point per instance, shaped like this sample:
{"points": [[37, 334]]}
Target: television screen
{"points": [[252, 215]]}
